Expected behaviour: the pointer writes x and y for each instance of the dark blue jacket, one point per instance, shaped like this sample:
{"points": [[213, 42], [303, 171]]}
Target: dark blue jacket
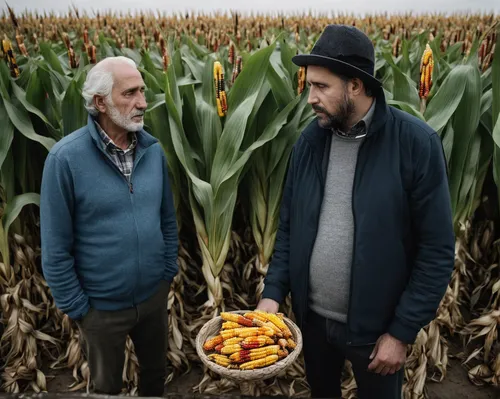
{"points": [[403, 249], [105, 244]]}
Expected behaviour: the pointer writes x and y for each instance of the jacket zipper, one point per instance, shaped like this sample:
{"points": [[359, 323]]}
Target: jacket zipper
{"points": [[353, 262], [131, 191]]}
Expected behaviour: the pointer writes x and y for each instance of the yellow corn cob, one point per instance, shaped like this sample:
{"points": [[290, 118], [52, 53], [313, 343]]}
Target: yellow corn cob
{"points": [[282, 353], [11, 59], [426, 67], [228, 325], [253, 315], [291, 343], [220, 93], [266, 361], [221, 360], [277, 322], [301, 75], [256, 342], [219, 347], [211, 343], [232, 341], [246, 332], [259, 323], [254, 354], [227, 350], [236, 318]]}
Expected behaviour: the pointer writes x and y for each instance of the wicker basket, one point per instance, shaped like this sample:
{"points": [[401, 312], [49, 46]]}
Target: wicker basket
{"points": [[212, 328]]}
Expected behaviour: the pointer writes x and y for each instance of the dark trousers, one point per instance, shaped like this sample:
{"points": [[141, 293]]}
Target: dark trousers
{"points": [[105, 333], [325, 351]]}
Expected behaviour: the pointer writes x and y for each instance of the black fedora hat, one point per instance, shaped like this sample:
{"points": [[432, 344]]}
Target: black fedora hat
{"points": [[345, 50]]}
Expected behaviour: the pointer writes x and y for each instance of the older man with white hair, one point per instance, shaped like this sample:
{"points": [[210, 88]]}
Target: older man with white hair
{"points": [[109, 232]]}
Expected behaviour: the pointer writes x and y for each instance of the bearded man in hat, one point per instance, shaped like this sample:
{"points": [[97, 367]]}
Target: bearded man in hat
{"points": [[365, 243]]}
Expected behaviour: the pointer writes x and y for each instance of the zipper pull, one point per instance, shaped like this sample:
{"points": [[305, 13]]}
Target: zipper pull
{"points": [[131, 188]]}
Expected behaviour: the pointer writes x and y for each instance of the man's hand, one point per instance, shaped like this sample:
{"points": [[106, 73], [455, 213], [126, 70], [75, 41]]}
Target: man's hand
{"points": [[388, 356], [268, 305]]}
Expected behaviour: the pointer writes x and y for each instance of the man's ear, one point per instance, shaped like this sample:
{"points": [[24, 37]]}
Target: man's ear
{"points": [[357, 86], [100, 104]]}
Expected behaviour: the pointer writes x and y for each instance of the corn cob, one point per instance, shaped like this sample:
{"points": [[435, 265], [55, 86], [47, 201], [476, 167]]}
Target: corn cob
{"points": [[219, 347], [254, 354], [282, 353], [11, 59], [221, 360], [236, 318], [246, 332], [232, 341], [301, 75], [229, 325], [291, 343], [256, 342], [259, 323], [426, 67], [266, 361], [277, 322], [254, 315], [220, 92], [227, 350], [212, 342]]}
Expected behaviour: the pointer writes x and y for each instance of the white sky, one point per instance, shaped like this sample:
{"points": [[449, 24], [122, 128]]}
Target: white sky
{"points": [[357, 6]]}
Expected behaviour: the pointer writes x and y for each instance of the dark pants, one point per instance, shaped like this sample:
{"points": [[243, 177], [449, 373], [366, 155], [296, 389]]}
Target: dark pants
{"points": [[325, 351], [105, 333]]}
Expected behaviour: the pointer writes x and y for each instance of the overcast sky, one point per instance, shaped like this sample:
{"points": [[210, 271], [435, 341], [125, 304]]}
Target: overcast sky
{"points": [[357, 6]]}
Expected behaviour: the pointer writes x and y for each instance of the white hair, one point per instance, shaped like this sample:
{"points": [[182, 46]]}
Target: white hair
{"points": [[100, 81]]}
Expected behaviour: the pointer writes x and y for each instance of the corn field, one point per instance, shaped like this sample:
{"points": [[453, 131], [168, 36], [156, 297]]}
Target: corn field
{"points": [[227, 104]]}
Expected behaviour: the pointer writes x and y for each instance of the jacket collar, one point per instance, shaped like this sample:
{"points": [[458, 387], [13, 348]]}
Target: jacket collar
{"points": [[317, 137], [144, 139]]}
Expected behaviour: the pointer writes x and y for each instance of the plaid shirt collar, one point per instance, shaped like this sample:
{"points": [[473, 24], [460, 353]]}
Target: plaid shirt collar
{"points": [[111, 146]]}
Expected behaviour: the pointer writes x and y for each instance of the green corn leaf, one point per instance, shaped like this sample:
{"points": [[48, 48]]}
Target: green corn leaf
{"points": [[73, 107], [20, 119], [447, 99], [465, 124], [7, 135]]}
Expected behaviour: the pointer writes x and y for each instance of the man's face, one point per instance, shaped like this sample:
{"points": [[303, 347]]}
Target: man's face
{"points": [[127, 104], [329, 98]]}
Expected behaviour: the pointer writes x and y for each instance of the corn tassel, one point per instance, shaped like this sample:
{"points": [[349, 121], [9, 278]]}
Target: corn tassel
{"points": [[236, 318], [212, 342], [266, 361], [220, 92], [221, 360], [256, 342]]}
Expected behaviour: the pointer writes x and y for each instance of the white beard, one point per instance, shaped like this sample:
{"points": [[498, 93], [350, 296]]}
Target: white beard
{"points": [[125, 121]]}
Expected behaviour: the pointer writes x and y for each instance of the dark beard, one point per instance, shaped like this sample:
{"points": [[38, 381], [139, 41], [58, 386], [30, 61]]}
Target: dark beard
{"points": [[337, 121]]}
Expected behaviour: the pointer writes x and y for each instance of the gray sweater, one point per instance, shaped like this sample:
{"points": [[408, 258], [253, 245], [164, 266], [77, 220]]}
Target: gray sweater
{"points": [[330, 266]]}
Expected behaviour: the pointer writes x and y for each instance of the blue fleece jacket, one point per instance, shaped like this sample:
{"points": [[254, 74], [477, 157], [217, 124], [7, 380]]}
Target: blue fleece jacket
{"points": [[105, 244]]}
